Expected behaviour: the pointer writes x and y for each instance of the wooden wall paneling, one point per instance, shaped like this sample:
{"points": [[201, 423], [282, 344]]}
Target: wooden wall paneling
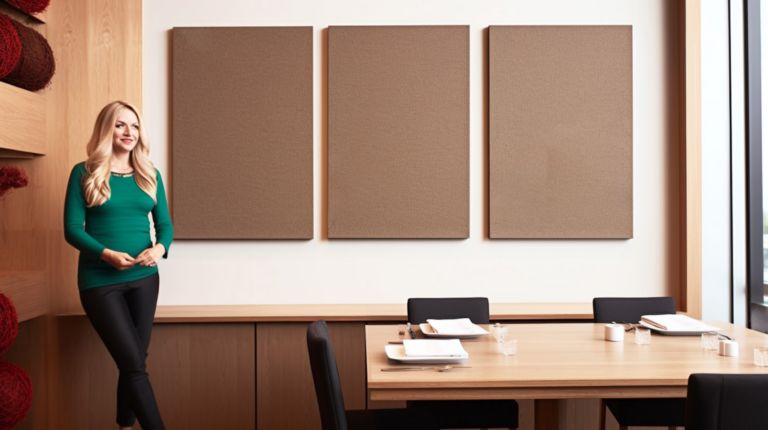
{"points": [[398, 132], [98, 52], [560, 132], [242, 133], [285, 392], [204, 375], [30, 351], [68, 126], [690, 26]]}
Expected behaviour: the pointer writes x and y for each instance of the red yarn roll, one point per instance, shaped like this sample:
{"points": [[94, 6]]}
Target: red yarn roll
{"points": [[30, 6], [36, 66], [10, 46], [9, 323], [15, 395]]}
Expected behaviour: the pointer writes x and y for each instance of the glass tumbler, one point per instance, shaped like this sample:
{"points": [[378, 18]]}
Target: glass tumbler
{"points": [[642, 335], [710, 340], [507, 346], [761, 356], [499, 332]]}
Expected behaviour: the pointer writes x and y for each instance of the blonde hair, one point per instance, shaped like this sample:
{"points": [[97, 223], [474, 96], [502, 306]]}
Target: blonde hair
{"points": [[99, 149]]}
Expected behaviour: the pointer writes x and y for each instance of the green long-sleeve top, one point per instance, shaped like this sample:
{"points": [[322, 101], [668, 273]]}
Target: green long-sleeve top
{"points": [[120, 224]]}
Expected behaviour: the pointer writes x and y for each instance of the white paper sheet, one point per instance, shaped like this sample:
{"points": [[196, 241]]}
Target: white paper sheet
{"points": [[434, 348], [460, 326]]}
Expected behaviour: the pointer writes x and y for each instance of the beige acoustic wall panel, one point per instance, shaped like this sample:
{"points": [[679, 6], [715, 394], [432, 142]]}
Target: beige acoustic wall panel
{"points": [[242, 133], [398, 130], [560, 119]]}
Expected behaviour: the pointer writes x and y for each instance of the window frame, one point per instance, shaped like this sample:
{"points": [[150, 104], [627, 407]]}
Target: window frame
{"points": [[758, 311]]}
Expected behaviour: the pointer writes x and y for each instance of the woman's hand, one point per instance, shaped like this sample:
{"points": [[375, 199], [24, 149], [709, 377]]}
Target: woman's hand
{"points": [[118, 260], [150, 256]]}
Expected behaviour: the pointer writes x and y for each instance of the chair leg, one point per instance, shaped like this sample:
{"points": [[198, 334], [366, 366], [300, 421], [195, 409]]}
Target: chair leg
{"points": [[672, 427], [602, 414], [622, 427]]}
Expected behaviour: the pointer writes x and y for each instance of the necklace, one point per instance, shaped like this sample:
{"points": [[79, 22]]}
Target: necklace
{"points": [[122, 175]]}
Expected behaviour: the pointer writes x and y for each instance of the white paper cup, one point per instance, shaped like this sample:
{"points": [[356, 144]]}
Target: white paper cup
{"points": [[728, 348], [614, 332]]}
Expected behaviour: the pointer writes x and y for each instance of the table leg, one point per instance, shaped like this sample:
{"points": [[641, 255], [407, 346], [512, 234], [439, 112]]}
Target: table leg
{"points": [[546, 414]]}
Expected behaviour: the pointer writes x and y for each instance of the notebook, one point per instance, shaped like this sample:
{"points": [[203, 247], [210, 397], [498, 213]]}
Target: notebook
{"points": [[676, 324]]}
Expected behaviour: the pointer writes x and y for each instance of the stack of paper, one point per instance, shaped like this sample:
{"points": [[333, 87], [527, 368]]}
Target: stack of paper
{"points": [[434, 348], [674, 323], [456, 327]]}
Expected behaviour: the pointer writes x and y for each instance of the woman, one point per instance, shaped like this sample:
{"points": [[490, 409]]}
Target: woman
{"points": [[105, 217]]}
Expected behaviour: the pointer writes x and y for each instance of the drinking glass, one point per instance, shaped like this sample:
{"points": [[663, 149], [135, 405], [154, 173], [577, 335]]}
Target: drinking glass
{"points": [[761, 356], [507, 346], [499, 332], [710, 340], [642, 335]]}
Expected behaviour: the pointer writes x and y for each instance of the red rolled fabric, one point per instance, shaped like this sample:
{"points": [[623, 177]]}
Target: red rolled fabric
{"points": [[36, 66], [9, 323], [12, 177], [15, 395], [10, 46], [30, 6]]}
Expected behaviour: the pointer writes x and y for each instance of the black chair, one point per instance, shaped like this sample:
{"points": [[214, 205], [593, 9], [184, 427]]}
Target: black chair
{"points": [[474, 308], [452, 414], [638, 412], [328, 389], [726, 402]]}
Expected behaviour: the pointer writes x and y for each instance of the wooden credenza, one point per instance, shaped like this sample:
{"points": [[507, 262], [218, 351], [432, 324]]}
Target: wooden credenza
{"points": [[237, 367]]}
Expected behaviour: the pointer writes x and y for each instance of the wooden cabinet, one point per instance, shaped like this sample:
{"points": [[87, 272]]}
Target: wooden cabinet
{"points": [[227, 376], [285, 391], [202, 375]]}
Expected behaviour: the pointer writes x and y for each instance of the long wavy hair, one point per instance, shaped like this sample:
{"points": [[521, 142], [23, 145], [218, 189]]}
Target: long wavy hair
{"points": [[96, 183]]}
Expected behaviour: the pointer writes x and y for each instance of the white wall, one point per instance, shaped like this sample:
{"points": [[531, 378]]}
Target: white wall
{"points": [[322, 271]]}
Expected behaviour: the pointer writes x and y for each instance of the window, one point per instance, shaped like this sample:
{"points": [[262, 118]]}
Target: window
{"points": [[757, 183]]}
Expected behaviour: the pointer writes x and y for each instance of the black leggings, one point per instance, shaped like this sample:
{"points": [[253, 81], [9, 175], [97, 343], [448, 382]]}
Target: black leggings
{"points": [[122, 315]]}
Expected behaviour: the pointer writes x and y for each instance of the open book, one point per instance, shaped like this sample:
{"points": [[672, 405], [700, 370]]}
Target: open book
{"points": [[676, 324]]}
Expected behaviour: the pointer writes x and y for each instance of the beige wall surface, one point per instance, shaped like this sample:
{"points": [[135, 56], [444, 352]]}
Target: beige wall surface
{"points": [[375, 271]]}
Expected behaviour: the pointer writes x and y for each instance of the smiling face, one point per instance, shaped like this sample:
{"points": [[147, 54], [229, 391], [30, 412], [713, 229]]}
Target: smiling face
{"points": [[126, 131]]}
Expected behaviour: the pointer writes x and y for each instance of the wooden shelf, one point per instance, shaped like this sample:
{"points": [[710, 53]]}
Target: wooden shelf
{"points": [[26, 291], [22, 114], [22, 16], [352, 312]]}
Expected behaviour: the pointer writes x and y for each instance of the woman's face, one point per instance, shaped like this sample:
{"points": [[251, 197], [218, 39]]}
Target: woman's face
{"points": [[126, 131]]}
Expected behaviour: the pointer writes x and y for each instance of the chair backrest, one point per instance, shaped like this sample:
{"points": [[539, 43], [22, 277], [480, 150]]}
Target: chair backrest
{"points": [[474, 308], [326, 377], [630, 309], [726, 402]]}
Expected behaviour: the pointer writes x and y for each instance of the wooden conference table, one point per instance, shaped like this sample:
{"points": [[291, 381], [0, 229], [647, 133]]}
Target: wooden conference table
{"points": [[560, 361]]}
